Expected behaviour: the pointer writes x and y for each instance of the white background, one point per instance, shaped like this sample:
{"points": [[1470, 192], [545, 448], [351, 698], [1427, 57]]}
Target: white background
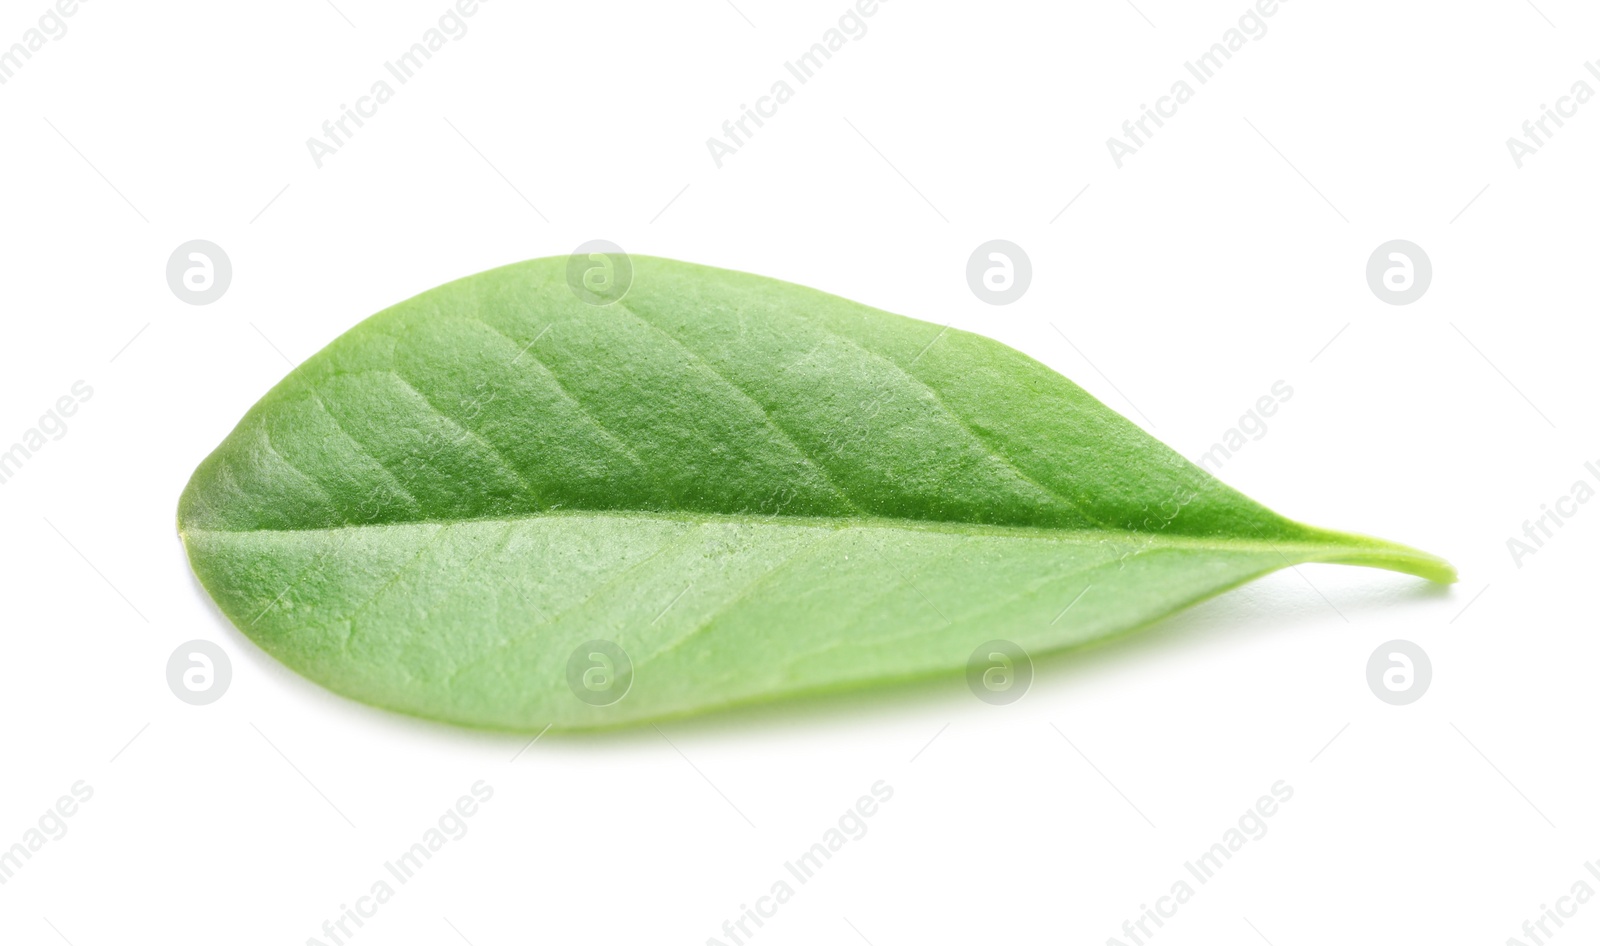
{"points": [[1223, 257]]}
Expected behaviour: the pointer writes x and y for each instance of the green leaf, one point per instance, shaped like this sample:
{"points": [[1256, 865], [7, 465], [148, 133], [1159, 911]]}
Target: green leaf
{"points": [[753, 489]]}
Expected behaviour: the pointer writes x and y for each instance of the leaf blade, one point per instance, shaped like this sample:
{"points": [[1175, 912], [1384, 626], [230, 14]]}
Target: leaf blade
{"points": [[430, 514]]}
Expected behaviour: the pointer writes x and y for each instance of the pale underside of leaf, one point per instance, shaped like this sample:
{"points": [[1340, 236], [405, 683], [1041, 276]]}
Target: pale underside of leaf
{"points": [[713, 610]]}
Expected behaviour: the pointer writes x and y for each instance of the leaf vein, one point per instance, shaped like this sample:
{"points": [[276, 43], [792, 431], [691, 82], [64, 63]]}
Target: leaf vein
{"points": [[500, 455], [992, 449], [322, 403], [771, 420], [588, 415]]}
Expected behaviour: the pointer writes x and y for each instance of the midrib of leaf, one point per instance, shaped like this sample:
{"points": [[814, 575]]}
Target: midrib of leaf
{"points": [[1327, 546]]}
